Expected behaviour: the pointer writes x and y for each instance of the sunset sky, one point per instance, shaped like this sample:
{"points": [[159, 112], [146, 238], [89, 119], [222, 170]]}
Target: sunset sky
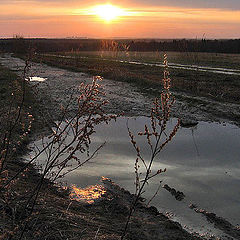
{"points": [[125, 18]]}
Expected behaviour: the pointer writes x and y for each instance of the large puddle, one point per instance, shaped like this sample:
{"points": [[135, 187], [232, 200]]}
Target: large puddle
{"points": [[202, 162]]}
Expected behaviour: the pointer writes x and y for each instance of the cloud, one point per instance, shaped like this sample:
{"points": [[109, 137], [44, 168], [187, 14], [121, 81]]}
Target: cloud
{"points": [[219, 4], [168, 18]]}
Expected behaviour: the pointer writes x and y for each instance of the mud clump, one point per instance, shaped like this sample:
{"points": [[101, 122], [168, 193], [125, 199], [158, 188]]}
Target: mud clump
{"points": [[187, 123], [177, 194], [218, 222]]}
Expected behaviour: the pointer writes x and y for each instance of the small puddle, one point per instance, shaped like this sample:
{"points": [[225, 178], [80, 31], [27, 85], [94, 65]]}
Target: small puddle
{"points": [[36, 79]]}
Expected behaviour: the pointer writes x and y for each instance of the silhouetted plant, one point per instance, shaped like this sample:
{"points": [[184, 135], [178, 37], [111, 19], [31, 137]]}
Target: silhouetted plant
{"points": [[156, 138], [65, 150], [71, 138], [15, 128]]}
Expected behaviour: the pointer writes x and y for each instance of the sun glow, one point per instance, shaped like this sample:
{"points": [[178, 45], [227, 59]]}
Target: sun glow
{"points": [[108, 12]]}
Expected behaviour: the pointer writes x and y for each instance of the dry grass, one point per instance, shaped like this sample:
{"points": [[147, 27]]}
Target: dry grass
{"points": [[220, 87]]}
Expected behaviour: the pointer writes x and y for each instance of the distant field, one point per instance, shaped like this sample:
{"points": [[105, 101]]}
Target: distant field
{"points": [[218, 86], [190, 58]]}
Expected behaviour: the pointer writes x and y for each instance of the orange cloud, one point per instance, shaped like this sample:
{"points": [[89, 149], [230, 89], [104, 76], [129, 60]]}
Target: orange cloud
{"points": [[58, 20]]}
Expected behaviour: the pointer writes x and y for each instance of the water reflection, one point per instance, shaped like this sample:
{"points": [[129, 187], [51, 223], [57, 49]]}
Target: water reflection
{"points": [[205, 168], [36, 79], [88, 194]]}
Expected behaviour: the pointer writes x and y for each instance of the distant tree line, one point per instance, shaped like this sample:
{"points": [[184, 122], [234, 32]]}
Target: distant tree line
{"points": [[22, 45], [213, 46]]}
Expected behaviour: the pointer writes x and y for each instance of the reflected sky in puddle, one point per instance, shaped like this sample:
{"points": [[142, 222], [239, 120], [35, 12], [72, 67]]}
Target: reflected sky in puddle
{"points": [[202, 162], [88, 194], [36, 79]]}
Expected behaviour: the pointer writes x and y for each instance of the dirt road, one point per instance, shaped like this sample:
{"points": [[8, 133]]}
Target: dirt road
{"points": [[123, 97]]}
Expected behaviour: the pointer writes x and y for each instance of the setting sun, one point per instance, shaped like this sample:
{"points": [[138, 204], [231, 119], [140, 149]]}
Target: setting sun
{"points": [[108, 12]]}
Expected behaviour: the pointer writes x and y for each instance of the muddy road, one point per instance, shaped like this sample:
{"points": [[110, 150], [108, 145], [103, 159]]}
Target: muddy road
{"points": [[61, 86]]}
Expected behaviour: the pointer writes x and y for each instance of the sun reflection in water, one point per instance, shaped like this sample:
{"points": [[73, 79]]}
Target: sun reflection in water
{"points": [[89, 194]]}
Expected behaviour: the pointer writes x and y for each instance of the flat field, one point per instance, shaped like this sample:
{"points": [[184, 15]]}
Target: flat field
{"points": [[216, 76], [220, 60]]}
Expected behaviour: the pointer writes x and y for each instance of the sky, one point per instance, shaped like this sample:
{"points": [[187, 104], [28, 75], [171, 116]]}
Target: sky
{"points": [[130, 19]]}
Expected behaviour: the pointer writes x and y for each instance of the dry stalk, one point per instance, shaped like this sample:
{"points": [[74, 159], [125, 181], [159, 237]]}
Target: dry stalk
{"points": [[71, 138], [65, 150], [156, 138]]}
